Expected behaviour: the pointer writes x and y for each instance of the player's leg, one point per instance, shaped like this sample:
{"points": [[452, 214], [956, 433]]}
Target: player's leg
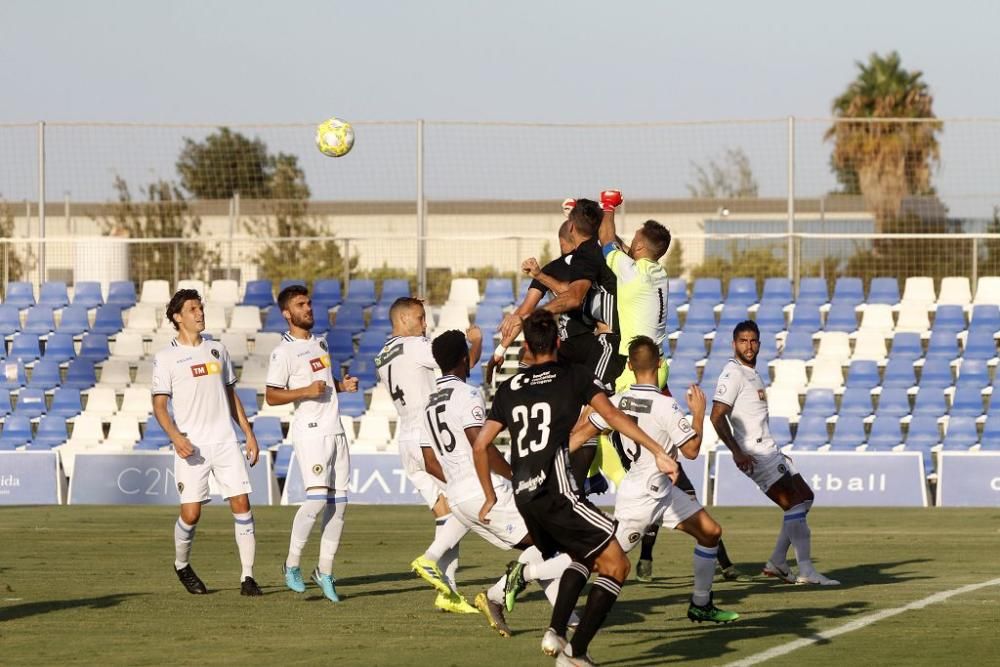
{"points": [[313, 457], [333, 516], [229, 466], [191, 475], [794, 496], [707, 534], [612, 566]]}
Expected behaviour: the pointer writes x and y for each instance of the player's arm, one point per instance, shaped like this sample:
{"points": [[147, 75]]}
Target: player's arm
{"points": [[498, 464], [610, 200], [481, 458], [571, 299], [510, 325], [348, 384], [720, 420], [280, 395], [431, 464], [475, 337], [581, 433], [239, 415], [696, 403], [182, 445], [530, 267], [619, 421]]}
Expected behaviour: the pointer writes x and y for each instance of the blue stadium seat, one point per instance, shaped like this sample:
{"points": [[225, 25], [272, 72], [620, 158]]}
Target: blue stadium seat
{"points": [[820, 403], [321, 318], [812, 433], [673, 318], [771, 314], [258, 293], [961, 433], [806, 317], [267, 430], [923, 432], [930, 402], [10, 319], [848, 433], [45, 375], [848, 290], [498, 291], [26, 348], [980, 345], [781, 430], [288, 282], [936, 372], [153, 434], [489, 314], [80, 374], [248, 397], [885, 434], [371, 342], [813, 290], [987, 317], [683, 374], [798, 345], [30, 403], [967, 401], [351, 405], [894, 402], [973, 372], [94, 347], [863, 374], [40, 320], [732, 314], [5, 405], [942, 345], [394, 288], [87, 294], [677, 291], [16, 432], [778, 290], [122, 293], [742, 291], [380, 315], [360, 291], [350, 317], [11, 378], [706, 289], [327, 290], [340, 344], [74, 321], [884, 290], [51, 431], [282, 459], [949, 318], [768, 352], [108, 320], [66, 402], [274, 322], [59, 348], [906, 345], [710, 375], [20, 294], [842, 317], [53, 294], [856, 403], [476, 375], [364, 370], [899, 372], [690, 346], [990, 440], [700, 317]]}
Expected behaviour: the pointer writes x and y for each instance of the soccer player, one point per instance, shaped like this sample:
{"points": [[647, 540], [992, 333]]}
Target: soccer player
{"points": [[646, 496], [739, 415], [539, 406], [405, 367], [197, 377], [454, 415], [299, 372]]}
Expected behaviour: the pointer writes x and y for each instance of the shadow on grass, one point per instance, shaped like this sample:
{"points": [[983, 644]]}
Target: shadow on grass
{"points": [[29, 609]]}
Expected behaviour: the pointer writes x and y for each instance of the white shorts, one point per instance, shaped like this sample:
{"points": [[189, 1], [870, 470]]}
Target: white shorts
{"points": [[428, 486], [635, 516], [324, 461], [506, 528], [226, 462], [769, 468]]}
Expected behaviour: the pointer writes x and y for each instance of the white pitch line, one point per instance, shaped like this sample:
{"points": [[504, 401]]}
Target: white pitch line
{"points": [[857, 624]]}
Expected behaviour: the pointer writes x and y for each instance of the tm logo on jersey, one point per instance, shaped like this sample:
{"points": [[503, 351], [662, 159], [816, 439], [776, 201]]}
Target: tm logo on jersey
{"points": [[320, 363], [211, 368]]}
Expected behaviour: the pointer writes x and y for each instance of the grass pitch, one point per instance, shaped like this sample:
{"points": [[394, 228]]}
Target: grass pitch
{"points": [[94, 585]]}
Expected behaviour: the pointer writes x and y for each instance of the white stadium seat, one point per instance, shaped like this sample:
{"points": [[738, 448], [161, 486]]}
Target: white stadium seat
{"points": [[464, 292], [224, 292], [348, 424], [88, 430], [453, 316], [236, 344], [143, 375], [141, 319], [123, 432], [161, 341], [102, 403], [913, 318], [790, 373], [374, 432], [381, 403], [783, 402], [128, 346], [835, 345], [265, 342], [955, 291], [115, 373], [215, 319], [878, 317], [870, 346], [245, 319], [919, 289], [197, 285], [155, 293], [137, 403], [988, 291], [827, 373], [254, 373]]}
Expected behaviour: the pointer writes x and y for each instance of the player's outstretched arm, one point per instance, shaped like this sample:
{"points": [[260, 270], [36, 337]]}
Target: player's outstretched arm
{"points": [[530, 267], [720, 420], [180, 441], [580, 434], [481, 459], [239, 415], [619, 421], [475, 337], [610, 201], [569, 300], [696, 403]]}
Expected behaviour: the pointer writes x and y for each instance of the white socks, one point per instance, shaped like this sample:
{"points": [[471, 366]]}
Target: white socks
{"points": [[183, 537], [704, 571], [302, 525], [246, 542], [538, 569], [797, 529], [447, 534], [333, 526], [449, 566]]}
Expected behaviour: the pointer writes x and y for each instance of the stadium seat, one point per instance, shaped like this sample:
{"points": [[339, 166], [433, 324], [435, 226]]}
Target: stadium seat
{"points": [[842, 317], [886, 433], [267, 430], [689, 346], [197, 285], [913, 317], [960, 434], [742, 291], [288, 282], [781, 430], [700, 317], [856, 404], [707, 289], [94, 347], [340, 344], [364, 370], [5, 405], [87, 294], [862, 374], [108, 320], [950, 319], [30, 403], [990, 439], [955, 291], [395, 288], [489, 314], [942, 345], [143, 375], [10, 319], [884, 291], [155, 293], [246, 319], [237, 346], [805, 317], [248, 397], [264, 343], [453, 316], [215, 319], [973, 372], [51, 431], [899, 372], [88, 430], [732, 314], [919, 290], [819, 403], [361, 291], [936, 372], [835, 345], [351, 405], [980, 345], [80, 374], [40, 320], [498, 291], [771, 315], [684, 373], [906, 345], [137, 402], [122, 293], [153, 435], [782, 401], [74, 320], [20, 294], [223, 292], [923, 432], [123, 432], [930, 401], [16, 432], [790, 373], [967, 401], [878, 318], [848, 433], [102, 402], [371, 342], [259, 293], [254, 372], [827, 373], [778, 290], [813, 290], [373, 432], [45, 375], [893, 402], [848, 290], [66, 402], [710, 374], [350, 317], [985, 317], [128, 346], [13, 376], [26, 348], [811, 433], [987, 291], [380, 314], [677, 291], [274, 322]]}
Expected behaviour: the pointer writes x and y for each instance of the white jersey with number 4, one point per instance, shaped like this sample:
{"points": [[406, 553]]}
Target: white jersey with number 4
{"points": [[742, 388], [453, 407], [663, 420], [297, 363], [406, 368]]}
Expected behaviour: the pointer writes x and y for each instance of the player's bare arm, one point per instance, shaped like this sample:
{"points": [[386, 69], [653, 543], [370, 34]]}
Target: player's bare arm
{"points": [[531, 268], [498, 464], [621, 422], [569, 300], [720, 420], [510, 325], [475, 337], [239, 416], [581, 433], [696, 404], [348, 384], [182, 445], [432, 465], [481, 459], [277, 396]]}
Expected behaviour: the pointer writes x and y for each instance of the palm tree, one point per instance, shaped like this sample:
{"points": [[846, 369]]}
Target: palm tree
{"points": [[884, 161]]}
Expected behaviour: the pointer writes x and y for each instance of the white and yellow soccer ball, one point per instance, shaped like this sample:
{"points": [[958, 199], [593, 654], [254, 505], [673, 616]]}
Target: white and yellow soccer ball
{"points": [[334, 137]]}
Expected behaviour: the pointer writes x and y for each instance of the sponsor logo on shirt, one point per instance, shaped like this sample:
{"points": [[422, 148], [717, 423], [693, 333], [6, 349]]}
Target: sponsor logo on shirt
{"points": [[211, 368], [319, 363]]}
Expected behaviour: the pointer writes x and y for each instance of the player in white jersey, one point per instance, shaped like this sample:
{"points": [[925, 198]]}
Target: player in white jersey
{"points": [[197, 377], [646, 496], [739, 415], [299, 373], [454, 414], [406, 368]]}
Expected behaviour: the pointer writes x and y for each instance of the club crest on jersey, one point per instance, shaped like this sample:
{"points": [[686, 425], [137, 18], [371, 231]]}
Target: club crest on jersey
{"points": [[322, 344], [215, 353], [684, 426], [317, 469], [782, 468], [633, 538], [761, 395], [721, 390], [319, 363], [180, 487], [211, 368], [477, 413]]}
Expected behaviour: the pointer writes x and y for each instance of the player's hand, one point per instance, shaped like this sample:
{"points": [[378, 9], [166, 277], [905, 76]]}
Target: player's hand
{"points": [[611, 199], [696, 400], [744, 462], [491, 367], [253, 450], [183, 446], [667, 466], [316, 389], [474, 335], [568, 205], [349, 383], [530, 267], [487, 506], [510, 327]]}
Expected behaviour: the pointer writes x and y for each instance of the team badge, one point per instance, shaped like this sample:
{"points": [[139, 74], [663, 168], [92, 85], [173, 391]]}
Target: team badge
{"points": [[477, 413], [761, 395], [782, 468], [322, 344], [633, 538], [721, 390], [215, 353], [180, 487], [317, 469], [684, 426]]}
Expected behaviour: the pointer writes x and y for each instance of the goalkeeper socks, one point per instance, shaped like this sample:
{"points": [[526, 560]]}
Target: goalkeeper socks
{"points": [[246, 542], [704, 571], [333, 527], [183, 537], [302, 525]]}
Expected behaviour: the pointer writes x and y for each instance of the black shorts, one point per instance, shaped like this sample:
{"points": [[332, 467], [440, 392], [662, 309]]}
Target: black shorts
{"points": [[560, 523], [577, 349], [605, 360]]}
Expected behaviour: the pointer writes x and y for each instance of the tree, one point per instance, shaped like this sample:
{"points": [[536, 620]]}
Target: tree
{"points": [[223, 164], [884, 161], [673, 263], [729, 179], [12, 267]]}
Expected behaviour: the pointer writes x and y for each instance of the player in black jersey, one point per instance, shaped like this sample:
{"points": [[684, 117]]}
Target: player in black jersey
{"points": [[540, 406]]}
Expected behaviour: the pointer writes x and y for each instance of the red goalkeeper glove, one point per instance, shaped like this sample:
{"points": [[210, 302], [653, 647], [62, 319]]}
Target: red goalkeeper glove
{"points": [[611, 199]]}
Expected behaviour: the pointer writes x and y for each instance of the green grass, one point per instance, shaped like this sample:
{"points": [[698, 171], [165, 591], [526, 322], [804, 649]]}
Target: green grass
{"points": [[85, 585]]}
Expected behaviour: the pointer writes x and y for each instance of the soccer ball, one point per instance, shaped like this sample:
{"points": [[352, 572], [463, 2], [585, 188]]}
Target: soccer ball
{"points": [[334, 137]]}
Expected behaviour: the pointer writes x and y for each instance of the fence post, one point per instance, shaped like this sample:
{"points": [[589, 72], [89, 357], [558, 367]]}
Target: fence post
{"points": [[791, 198], [41, 202], [975, 263], [421, 216], [233, 217], [177, 265], [346, 264]]}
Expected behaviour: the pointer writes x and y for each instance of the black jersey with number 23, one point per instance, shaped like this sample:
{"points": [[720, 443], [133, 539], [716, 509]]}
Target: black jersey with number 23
{"points": [[539, 406]]}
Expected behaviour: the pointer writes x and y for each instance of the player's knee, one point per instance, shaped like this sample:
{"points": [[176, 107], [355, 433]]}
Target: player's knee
{"points": [[622, 567], [190, 514], [713, 532], [240, 504]]}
